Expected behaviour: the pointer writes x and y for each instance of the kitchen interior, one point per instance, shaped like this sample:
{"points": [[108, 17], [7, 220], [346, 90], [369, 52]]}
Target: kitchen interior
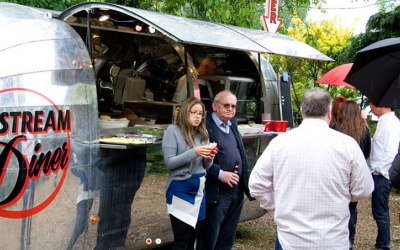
{"points": [[137, 68]]}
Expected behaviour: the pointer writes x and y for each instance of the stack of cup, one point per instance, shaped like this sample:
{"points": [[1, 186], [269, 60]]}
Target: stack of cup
{"points": [[266, 117]]}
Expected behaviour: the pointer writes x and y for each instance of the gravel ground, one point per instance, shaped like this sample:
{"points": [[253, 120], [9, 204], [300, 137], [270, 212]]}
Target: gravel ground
{"points": [[260, 233], [149, 215]]}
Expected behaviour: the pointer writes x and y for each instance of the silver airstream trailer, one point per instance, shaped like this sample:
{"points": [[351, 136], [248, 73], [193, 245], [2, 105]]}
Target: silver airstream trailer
{"points": [[48, 107], [65, 181]]}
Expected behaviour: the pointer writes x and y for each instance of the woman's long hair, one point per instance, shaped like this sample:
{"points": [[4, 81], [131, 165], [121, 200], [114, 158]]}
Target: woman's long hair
{"points": [[336, 104], [183, 122], [350, 121]]}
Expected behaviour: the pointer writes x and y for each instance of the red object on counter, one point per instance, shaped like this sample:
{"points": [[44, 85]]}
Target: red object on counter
{"points": [[275, 126], [268, 126], [280, 126]]}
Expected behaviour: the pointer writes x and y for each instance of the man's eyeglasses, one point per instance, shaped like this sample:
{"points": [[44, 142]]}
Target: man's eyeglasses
{"points": [[227, 105], [201, 114]]}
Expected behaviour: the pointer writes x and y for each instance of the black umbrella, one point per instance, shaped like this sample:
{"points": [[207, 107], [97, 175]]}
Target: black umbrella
{"points": [[376, 71]]}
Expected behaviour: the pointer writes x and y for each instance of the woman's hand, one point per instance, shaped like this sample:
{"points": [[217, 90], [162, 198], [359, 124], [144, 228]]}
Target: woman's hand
{"points": [[207, 151]]}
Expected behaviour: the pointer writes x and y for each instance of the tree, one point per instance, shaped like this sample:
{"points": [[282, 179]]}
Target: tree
{"points": [[64, 4], [47, 4], [244, 13], [326, 38], [384, 24]]}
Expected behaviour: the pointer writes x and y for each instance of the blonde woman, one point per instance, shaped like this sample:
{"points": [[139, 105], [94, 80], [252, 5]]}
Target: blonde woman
{"points": [[187, 154]]}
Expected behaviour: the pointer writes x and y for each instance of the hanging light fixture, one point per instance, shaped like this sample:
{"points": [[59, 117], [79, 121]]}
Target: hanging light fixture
{"points": [[138, 27], [152, 29], [104, 18]]}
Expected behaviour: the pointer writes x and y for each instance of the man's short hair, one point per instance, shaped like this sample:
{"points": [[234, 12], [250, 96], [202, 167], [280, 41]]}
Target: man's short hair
{"points": [[316, 102]]}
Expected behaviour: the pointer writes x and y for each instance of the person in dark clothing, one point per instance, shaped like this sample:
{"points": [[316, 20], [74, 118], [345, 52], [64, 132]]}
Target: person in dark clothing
{"points": [[350, 122], [225, 189], [394, 171]]}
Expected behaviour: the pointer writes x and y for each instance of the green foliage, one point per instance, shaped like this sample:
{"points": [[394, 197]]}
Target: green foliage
{"points": [[384, 24], [64, 4], [46, 4], [159, 133], [337, 44], [155, 161], [328, 39], [371, 125], [244, 13]]}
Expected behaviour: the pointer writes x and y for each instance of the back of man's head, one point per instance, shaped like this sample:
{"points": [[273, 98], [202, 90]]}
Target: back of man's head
{"points": [[316, 102]]}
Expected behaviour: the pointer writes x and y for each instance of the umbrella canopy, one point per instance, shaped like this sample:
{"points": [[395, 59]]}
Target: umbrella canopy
{"points": [[376, 71], [336, 76]]}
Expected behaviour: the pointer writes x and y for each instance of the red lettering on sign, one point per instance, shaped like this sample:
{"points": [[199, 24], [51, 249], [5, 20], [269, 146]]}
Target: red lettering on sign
{"points": [[30, 168], [271, 20]]}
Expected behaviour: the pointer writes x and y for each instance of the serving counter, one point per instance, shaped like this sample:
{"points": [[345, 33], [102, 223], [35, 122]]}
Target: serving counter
{"points": [[123, 169], [120, 170], [116, 174], [255, 145], [122, 175]]}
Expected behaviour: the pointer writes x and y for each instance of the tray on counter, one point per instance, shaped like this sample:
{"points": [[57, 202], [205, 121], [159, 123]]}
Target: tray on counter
{"points": [[128, 139]]}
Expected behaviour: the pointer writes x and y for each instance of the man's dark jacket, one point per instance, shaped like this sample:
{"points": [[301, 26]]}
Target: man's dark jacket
{"points": [[212, 182]]}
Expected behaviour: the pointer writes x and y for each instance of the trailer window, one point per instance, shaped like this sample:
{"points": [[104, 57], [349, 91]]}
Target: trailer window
{"points": [[247, 91], [247, 99]]}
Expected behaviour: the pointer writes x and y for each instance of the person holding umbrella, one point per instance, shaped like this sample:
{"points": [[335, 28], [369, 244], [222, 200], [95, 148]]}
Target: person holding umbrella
{"points": [[375, 72], [383, 150]]}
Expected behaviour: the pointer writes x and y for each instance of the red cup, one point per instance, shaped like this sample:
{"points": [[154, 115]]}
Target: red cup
{"points": [[268, 126], [280, 126]]}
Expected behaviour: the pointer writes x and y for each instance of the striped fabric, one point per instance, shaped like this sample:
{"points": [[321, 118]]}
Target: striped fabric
{"points": [[185, 199]]}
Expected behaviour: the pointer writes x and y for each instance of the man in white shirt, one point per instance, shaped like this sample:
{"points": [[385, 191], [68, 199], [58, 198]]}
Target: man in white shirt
{"points": [[307, 177], [384, 147]]}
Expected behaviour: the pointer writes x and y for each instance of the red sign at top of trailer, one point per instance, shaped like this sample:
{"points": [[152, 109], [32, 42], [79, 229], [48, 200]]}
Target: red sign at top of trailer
{"points": [[271, 20]]}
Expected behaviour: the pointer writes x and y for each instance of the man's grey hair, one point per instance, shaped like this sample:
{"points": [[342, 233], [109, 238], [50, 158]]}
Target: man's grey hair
{"points": [[221, 93], [316, 102]]}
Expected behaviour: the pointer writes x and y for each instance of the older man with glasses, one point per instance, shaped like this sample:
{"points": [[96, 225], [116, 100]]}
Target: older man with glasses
{"points": [[225, 187]]}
